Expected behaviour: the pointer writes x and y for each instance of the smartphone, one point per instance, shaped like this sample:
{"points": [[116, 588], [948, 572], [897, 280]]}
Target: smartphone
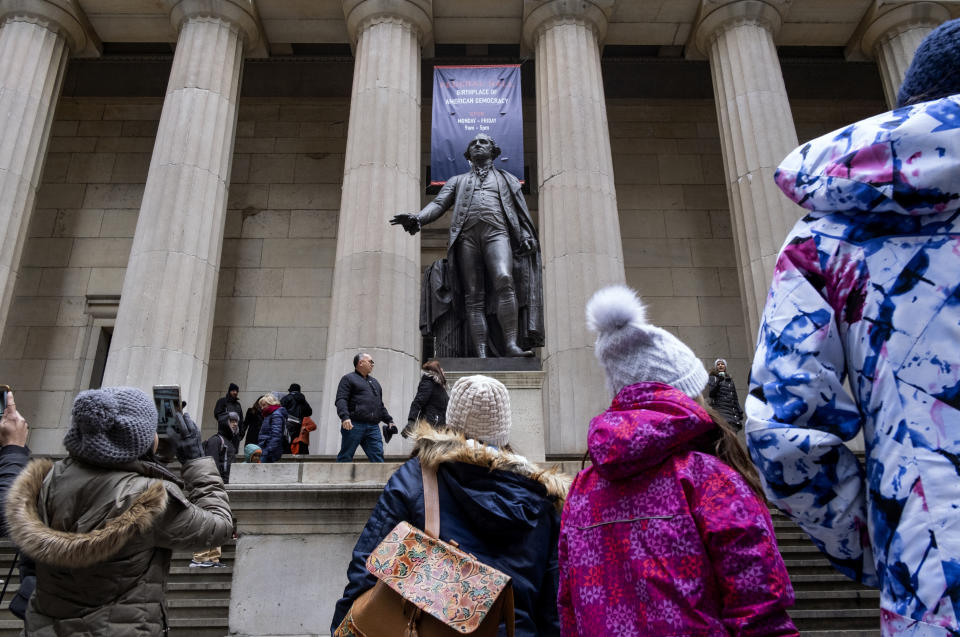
{"points": [[4, 389], [169, 406]]}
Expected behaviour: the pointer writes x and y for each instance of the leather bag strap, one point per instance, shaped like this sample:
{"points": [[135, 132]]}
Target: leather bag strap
{"points": [[508, 612], [431, 502]]}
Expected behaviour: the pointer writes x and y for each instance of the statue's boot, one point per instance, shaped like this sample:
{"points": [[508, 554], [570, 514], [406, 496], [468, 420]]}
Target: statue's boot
{"points": [[507, 315], [477, 323]]}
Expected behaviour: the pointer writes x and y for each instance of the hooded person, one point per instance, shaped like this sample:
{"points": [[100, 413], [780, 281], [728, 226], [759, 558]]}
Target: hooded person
{"points": [[222, 446], [497, 505], [666, 533], [228, 403], [102, 523], [865, 296]]}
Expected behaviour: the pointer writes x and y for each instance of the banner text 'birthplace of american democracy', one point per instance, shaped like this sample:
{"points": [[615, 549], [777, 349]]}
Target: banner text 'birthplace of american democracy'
{"points": [[468, 100]]}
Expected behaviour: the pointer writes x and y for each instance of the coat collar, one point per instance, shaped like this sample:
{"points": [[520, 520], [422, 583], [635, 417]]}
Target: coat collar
{"points": [[65, 549], [445, 445]]}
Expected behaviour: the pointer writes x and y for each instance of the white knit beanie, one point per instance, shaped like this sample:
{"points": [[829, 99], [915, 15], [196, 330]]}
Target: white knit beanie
{"points": [[632, 350], [479, 407]]}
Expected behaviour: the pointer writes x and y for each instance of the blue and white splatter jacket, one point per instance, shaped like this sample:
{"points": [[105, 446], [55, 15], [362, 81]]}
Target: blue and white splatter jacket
{"points": [[867, 289]]}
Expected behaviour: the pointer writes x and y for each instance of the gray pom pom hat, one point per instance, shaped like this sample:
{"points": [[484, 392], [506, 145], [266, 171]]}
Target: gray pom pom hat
{"points": [[111, 426], [631, 350]]}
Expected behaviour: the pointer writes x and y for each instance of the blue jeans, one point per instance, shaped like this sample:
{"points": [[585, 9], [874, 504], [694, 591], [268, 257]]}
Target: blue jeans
{"points": [[365, 435]]}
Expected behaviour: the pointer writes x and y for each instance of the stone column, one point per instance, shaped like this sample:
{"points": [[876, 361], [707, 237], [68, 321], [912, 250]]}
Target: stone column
{"points": [[376, 280], [579, 221], [165, 319], [756, 133], [892, 37], [36, 38]]}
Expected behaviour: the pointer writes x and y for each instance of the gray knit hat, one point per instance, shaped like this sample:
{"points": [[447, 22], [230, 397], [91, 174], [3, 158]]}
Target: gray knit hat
{"points": [[479, 407], [111, 426], [632, 350]]}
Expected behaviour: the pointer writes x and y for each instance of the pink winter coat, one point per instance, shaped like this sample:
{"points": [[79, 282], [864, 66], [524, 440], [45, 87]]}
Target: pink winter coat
{"points": [[659, 539]]}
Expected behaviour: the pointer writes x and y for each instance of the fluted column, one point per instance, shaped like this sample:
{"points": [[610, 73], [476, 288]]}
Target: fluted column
{"points": [[376, 277], [892, 37], [579, 224], [756, 133], [35, 41], [165, 319]]}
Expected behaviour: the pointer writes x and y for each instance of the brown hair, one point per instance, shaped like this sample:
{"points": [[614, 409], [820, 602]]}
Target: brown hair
{"points": [[433, 365], [728, 448]]}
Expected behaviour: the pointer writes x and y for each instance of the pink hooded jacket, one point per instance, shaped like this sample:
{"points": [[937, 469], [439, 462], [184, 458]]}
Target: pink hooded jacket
{"points": [[659, 539]]}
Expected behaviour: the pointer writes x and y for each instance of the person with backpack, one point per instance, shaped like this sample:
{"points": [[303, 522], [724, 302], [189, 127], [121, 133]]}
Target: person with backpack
{"points": [[667, 532], [497, 505], [222, 447], [297, 409]]}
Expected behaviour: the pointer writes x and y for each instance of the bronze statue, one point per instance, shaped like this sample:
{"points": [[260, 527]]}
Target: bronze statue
{"points": [[489, 288]]}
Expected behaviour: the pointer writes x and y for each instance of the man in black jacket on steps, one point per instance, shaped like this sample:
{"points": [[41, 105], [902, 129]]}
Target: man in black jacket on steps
{"points": [[360, 408]]}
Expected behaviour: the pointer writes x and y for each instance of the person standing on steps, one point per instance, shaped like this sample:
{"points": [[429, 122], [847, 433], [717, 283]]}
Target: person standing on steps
{"points": [[359, 404]]}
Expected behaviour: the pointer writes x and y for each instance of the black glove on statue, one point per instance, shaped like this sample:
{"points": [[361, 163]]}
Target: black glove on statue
{"points": [[185, 437]]}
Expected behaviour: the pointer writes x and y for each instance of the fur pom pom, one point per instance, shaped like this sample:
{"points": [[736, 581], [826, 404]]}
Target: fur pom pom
{"points": [[613, 308]]}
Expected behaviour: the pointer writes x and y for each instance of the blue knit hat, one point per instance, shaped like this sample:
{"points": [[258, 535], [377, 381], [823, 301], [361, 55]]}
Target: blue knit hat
{"points": [[935, 70]]}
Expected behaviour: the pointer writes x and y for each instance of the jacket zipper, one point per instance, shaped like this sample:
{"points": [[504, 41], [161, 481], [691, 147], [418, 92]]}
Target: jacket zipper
{"points": [[645, 517]]}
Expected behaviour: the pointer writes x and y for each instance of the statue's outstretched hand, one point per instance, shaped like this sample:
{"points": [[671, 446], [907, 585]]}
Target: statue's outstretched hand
{"points": [[529, 246], [409, 222]]}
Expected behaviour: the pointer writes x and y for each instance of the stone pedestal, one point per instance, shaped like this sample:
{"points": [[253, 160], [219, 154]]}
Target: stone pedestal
{"points": [[165, 319], [892, 37], [756, 133], [579, 223], [35, 41], [376, 280]]}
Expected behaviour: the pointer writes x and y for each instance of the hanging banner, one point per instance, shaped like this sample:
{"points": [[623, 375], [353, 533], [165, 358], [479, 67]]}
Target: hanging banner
{"points": [[468, 100]]}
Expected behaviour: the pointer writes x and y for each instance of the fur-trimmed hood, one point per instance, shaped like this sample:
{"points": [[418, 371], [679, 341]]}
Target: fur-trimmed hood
{"points": [[435, 377], [445, 445], [75, 550]]}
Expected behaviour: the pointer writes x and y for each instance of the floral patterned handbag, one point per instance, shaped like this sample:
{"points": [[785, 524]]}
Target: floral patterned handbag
{"points": [[427, 587]]}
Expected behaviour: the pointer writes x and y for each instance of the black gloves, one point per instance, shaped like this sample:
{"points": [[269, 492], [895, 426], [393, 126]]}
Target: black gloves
{"points": [[185, 438]]}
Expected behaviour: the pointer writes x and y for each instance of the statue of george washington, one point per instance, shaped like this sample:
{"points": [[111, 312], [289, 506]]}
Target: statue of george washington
{"points": [[489, 288]]}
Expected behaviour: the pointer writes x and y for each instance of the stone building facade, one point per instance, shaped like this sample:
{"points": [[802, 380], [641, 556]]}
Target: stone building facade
{"points": [[197, 191]]}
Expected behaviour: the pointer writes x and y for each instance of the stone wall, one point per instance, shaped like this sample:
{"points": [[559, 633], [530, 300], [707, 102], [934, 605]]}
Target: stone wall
{"points": [[274, 290]]}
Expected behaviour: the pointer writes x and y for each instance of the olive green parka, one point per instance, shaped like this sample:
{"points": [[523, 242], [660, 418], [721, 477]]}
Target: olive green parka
{"points": [[102, 539]]}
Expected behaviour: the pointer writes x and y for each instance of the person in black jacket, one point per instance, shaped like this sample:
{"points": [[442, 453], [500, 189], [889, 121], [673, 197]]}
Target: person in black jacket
{"points": [[252, 423], [228, 403], [297, 406], [360, 407], [497, 505], [14, 456], [723, 395], [430, 403]]}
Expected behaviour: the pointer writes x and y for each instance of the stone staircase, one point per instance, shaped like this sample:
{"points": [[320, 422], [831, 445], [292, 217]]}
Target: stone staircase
{"points": [[198, 599], [828, 604]]}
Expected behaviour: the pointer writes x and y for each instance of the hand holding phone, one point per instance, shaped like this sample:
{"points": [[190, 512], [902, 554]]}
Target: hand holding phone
{"points": [[13, 428]]}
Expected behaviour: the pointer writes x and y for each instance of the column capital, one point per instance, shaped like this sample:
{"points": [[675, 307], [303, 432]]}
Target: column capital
{"points": [[419, 13], [884, 23], [63, 16], [539, 15], [241, 14], [716, 15]]}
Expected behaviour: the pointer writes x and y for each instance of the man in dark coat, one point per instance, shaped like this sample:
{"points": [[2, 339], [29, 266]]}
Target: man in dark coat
{"points": [[493, 251], [360, 407], [297, 406], [228, 403]]}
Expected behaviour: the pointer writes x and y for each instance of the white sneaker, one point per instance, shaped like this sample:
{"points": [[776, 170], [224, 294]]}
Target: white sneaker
{"points": [[196, 564]]}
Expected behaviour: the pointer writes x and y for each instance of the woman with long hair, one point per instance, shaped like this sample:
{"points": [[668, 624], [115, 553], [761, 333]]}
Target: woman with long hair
{"points": [[667, 533], [430, 403], [723, 394]]}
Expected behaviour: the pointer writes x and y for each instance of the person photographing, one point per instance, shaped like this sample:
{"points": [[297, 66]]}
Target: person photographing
{"points": [[102, 523]]}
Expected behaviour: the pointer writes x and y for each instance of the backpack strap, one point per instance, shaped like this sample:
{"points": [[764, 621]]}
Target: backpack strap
{"points": [[508, 611], [431, 501]]}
